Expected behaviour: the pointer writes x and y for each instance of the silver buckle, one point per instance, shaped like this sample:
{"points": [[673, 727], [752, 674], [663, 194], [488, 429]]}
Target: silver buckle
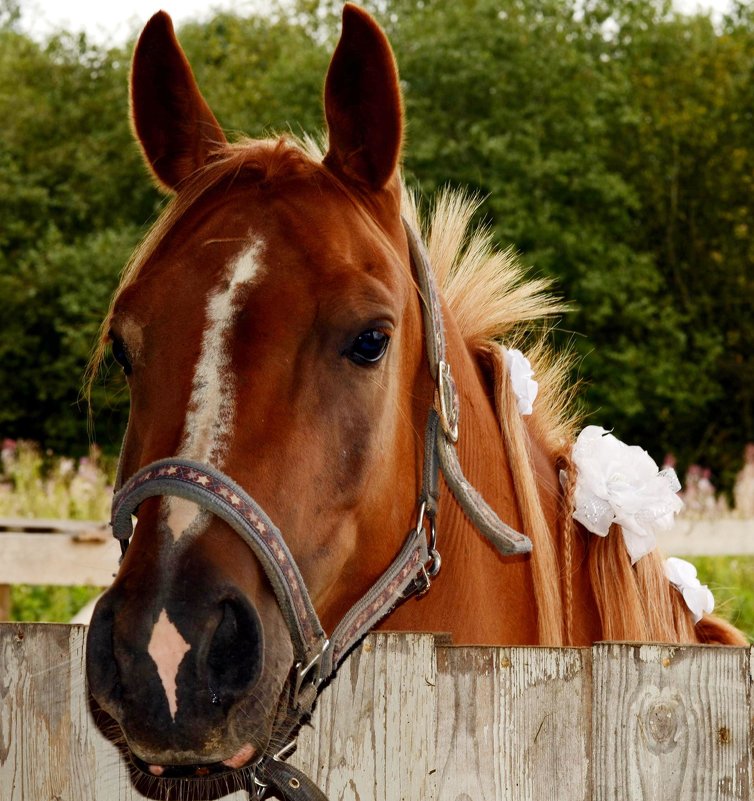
{"points": [[258, 788], [448, 399], [303, 673]]}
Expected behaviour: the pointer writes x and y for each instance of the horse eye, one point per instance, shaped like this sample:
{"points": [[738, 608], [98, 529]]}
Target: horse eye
{"points": [[368, 347], [119, 354]]}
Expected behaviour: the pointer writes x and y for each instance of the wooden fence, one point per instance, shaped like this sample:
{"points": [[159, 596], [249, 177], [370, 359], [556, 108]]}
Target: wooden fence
{"points": [[70, 552], [412, 719], [60, 552]]}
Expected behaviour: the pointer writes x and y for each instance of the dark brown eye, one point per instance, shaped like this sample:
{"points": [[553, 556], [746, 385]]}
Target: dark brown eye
{"points": [[119, 353], [368, 347]]}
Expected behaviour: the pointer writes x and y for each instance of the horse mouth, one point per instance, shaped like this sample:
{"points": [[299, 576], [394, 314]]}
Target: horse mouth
{"points": [[243, 758]]}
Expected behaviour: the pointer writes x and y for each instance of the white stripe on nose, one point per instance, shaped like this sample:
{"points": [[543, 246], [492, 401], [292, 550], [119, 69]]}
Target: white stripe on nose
{"points": [[168, 649], [211, 409]]}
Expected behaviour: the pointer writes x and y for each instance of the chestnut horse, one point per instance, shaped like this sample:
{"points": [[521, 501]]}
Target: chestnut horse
{"points": [[280, 326]]}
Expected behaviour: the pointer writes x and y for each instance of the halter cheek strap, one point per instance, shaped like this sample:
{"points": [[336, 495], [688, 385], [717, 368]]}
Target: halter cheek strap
{"points": [[317, 656]]}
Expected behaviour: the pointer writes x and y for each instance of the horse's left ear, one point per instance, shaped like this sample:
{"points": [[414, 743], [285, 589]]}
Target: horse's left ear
{"points": [[175, 127], [363, 103]]}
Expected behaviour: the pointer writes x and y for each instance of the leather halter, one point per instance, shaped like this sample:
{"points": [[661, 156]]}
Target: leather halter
{"points": [[318, 657]]}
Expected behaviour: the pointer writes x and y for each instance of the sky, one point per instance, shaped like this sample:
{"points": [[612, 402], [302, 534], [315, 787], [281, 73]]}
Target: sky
{"points": [[113, 21]]}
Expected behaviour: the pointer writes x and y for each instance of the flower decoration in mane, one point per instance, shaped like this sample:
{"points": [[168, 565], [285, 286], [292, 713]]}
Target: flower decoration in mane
{"points": [[525, 388], [619, 483], [682, 575]]}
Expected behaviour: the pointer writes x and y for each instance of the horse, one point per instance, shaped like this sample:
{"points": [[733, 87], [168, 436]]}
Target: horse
{"points": [[320, 407]]}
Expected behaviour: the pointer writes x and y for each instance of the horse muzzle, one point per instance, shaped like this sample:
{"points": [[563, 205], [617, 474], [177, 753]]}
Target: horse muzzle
{"points": [[187, 677]]}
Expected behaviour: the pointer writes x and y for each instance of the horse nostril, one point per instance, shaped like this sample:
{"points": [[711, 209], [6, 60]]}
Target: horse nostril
{"points": [[236, 654], [101, 667]]}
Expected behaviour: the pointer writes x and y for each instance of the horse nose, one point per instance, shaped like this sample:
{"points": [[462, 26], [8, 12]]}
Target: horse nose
{"points": [[131, 654], [236, 653]]}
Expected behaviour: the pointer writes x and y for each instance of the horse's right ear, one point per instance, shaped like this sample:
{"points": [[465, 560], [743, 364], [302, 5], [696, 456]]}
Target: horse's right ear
{"points": [[173, 123], [363, 103]]}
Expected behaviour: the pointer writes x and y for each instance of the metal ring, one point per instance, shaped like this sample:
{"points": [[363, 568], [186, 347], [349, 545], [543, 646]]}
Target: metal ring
{"points": [[435, 564]]}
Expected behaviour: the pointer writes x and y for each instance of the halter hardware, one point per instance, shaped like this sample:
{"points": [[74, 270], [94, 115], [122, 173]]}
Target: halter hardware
{"points": [[427, 515], [310, 674], [317, 656], [447, 396]]}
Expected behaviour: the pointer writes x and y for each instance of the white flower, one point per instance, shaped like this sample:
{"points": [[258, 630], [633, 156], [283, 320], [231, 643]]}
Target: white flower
{"points": [[618, 483], [524, 387], [682, 574]]}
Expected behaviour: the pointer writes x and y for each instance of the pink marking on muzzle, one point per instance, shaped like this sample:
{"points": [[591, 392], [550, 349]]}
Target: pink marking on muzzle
{"points": [[238, 760]]}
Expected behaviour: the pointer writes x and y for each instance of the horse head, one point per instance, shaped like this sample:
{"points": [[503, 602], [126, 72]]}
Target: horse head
{"points": [[270, 328]]}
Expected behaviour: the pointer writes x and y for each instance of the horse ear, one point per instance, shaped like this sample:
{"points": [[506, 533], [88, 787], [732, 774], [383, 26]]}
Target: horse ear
{"points": [[173, 123], [363, 103]]}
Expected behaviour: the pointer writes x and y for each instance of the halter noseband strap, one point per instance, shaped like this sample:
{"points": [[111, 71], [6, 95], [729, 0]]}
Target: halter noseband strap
{"points": [[317, 657]]}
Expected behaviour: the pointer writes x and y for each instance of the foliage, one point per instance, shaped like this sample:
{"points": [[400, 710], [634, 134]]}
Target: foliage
{"points": [[731, 579], [613, 140], [48, 604], [33, 484]]}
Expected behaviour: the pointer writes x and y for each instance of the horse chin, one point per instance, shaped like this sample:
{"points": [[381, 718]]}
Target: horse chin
{"points": [[245, 757]]}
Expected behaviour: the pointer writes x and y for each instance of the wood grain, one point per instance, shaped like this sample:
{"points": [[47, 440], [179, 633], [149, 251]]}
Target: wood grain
{"points": [[671, 722], [61, 559], [372, 735], [408, 719], [514, 723]]}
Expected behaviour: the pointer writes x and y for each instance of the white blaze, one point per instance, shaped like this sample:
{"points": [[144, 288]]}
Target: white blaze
{"points": [[211, 409], [167, 649]]}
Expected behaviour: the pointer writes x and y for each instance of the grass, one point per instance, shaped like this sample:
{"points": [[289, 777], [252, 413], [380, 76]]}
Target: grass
{"points": [[36, 484], [731, 579], [51, 604]]}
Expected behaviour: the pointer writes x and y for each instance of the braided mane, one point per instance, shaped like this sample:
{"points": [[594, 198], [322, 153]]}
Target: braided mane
{"points": [[494, 301]]}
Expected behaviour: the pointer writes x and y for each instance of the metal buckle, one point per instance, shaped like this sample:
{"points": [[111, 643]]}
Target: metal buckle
{"points": [[435, 559], [259, 787], [284, 751], [421, 584], [447, 394], [302, 672]]}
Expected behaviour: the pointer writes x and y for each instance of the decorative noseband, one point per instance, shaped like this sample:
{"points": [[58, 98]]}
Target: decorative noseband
{"points": [[317, 656]]}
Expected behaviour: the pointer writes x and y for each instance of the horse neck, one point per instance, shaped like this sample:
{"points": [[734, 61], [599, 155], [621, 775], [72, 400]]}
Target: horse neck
{"points": [[480, 596]]}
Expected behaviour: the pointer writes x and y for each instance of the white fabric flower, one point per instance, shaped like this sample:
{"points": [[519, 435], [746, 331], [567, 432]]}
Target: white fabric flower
{"points": [[619, 483], [522, 380], [682, 575]]}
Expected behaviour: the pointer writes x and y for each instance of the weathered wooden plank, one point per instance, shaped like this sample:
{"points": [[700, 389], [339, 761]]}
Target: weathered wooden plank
{"points": [[405, 720], [59, 559], [513, 723], [47, 524], [50, 746], [372, 735], [670, 722]]}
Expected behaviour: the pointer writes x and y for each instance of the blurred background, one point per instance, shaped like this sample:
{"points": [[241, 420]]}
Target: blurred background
{"points": [[612, 140]]}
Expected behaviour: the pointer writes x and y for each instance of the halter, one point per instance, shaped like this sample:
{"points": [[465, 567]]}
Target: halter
{"points": [[318, 656]]}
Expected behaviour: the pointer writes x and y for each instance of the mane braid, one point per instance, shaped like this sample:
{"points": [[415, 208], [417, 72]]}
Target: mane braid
{"points": [[493, 301]]}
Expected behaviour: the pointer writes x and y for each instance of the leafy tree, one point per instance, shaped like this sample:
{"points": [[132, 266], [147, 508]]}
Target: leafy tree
{"points": [[613, 140]]}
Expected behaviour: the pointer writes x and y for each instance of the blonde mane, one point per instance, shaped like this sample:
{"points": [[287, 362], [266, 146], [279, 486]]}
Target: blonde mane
{"points": [[495, 302]]}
